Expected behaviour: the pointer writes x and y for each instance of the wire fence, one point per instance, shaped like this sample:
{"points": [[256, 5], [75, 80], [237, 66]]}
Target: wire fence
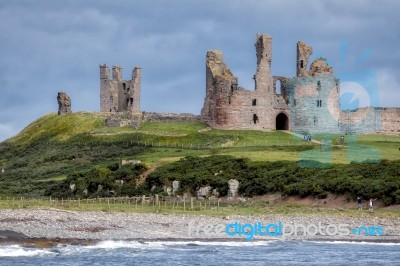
{"points": [[139, 202], [191, 146]]}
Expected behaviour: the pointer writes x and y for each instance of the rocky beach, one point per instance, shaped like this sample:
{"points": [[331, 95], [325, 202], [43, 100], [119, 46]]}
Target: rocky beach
{"points": [[46, 227]]}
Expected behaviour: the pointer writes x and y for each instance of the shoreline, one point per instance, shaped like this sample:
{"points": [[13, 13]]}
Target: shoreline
{"points": [[51, 227], [51, 243]]}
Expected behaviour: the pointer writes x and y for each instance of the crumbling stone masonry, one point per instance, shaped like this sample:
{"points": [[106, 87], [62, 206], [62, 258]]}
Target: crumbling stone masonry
{"points": [[117, 95], [121, 99], [229, 106], [169, 117], [64, 103], [308, 102]]}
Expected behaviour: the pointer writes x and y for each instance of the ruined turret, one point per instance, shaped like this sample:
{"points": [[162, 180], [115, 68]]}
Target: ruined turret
{"points": [[221, 84], [320, 67], [303, 53], [119, 95], [263, 78], [64, 103]]}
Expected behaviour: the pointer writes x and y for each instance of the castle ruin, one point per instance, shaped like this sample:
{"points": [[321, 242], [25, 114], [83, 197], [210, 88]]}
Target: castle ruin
{"points": [[118, 95], [308, 102], [64, 103]]}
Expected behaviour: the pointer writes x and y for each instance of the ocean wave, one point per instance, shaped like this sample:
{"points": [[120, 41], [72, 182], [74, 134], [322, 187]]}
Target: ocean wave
{"points": [[112, 244], [358, 243], [18, 251]]}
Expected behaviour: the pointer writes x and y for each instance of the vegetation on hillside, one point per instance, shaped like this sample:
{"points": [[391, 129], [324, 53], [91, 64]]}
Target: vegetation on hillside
{"points": [[104, 182], [54, 150], [366, 180]]}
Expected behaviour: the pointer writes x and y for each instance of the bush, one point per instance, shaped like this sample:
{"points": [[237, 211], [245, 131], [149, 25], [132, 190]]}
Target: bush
{"points": [[366, 180], [105, 178]]}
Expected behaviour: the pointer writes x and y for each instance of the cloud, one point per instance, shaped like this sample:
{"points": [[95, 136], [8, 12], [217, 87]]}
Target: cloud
{"points": [[49, 46]]}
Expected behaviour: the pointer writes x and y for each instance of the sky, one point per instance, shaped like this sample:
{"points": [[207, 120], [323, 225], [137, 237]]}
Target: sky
{"points": [[49, 46]]}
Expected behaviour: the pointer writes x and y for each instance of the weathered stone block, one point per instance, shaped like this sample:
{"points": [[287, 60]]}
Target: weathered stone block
{"points": [[64, 103], [233, 187]]}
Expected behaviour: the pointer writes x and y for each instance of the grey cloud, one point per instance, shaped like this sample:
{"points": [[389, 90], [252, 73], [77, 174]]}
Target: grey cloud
{"points": [[49, 46]]}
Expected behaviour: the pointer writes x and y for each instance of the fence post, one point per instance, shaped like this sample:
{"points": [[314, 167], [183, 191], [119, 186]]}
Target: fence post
{"points": [[191, 203], [108, 203], [143, 199]]}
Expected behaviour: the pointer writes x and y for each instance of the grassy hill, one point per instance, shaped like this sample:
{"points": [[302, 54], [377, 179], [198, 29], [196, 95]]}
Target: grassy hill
{"points": [[53, 147]]}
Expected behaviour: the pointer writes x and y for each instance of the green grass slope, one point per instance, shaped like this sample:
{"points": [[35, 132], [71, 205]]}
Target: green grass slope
{"points": [[53, 147]]}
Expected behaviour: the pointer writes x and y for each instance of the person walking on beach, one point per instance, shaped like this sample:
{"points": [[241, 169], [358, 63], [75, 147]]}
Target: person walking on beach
{"points": [[359, 201], [371, 204]]}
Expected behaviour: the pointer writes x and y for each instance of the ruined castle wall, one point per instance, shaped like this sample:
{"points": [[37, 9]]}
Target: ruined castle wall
{"points": [[314, 104], [135, 89], [303, 53], [263, 77], [228, 107], [241, 113], [363, 120], [117, 95], [390, 118], [117, 73], [169, 117], [124, 88], [370, 120], [108, 91], [282, 81], [64, 103], [220, 84]]}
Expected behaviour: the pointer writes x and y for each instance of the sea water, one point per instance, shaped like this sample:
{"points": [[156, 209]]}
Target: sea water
{"points": [[206, 253]]}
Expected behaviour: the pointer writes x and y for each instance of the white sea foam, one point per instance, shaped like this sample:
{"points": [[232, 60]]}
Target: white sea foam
{"points": [[18, 251], [110, 244], [358, 243]]}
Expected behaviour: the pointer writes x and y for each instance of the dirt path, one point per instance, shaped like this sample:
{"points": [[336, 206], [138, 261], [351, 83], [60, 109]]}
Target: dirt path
{"points": [[300, 136], [146, 173]]}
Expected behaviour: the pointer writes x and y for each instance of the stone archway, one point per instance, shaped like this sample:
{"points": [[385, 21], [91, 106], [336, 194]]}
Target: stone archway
{"points": [[282, 122]]}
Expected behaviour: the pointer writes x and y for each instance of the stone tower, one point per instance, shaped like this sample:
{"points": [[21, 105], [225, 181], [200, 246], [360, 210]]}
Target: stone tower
{"points": [[228, 106], [303, 53], [313, 94], [118, 95], [64, 103], [263, 78], [134, 95]]}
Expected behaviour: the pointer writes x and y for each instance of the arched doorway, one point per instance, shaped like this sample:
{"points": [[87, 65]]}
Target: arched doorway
{"points": [[282, 122]]}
